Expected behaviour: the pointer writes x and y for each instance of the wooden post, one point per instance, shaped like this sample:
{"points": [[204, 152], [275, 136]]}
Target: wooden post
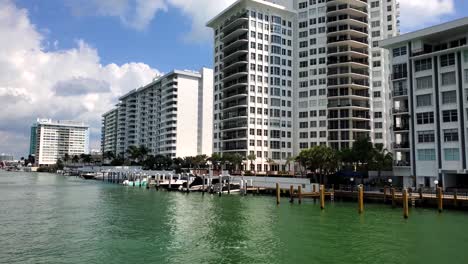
{"points": [[277, 193], [455, 198], [291, 194], [385, 194], [203, 185], [314, 191], [299, 194], [258, 190], [405, 203], [439, 199], [420, 194], [392, 190], [229, 185], [361, 199], [322, 197]]}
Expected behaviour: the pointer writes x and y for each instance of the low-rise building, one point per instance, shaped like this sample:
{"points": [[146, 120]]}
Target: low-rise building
{"points": [[430, 105]]}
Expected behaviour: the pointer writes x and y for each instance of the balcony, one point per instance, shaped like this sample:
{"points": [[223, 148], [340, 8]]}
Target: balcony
{"points": [[401, 163], [349, 40], [360, 3], [235, 43], [400, 92], [240, 145], [354, 62], [235, 104], [235, 21], [347, 104], [236, 32], [235, 73], [347, 82], [236, 52], [235, 94], [353, 20], [347, 30], [401, 110], [348, 71], [347, 9], [236, 135], [235, 83], [400, 128], [401, 145], [242, 124], [346, 50]]}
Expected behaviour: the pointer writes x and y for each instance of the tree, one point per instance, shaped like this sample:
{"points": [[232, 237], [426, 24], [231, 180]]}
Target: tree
{"points": [[289, 160], [59, 164], [76, 159], [382, 159], [237, 159], [270, 162], [251, 157], [216, 159], [66, 157], [363, 151], [200, 160], [108, 155], [137, 154], [321, 160]]}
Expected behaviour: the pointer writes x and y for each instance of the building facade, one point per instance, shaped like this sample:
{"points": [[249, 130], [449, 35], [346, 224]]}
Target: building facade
{"points": [[430, 104], [171, 116], [109, 131], [293, 74], [54, 139]]}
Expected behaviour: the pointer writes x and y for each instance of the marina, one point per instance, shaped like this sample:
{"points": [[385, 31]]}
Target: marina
{"points": [[56, 219]]}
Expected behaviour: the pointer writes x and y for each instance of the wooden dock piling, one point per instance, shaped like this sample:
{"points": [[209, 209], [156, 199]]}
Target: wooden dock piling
{"points": [[405, 203], [385, 194], [392, 191], [299, 194], [439, 199], [361, 198], [322, 197], [291, 194], [455, 198], [277, 193]]}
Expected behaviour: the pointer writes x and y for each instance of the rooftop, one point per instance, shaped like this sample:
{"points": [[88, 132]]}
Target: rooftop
{"points": [[441, 31]]}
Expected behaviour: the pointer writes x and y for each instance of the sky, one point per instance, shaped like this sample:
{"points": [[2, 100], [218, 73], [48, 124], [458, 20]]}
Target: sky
{"points": [[72, 59]]}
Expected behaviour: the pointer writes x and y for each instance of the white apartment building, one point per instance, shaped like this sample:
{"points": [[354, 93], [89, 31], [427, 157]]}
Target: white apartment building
{"points": [[291, 74], [430, 104], [170, 116], [109, 131], [54, 139]]}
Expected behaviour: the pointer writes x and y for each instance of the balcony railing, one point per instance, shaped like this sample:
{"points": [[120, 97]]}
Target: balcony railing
{"points": [[401, 145], [401, 92], [401, 163]]}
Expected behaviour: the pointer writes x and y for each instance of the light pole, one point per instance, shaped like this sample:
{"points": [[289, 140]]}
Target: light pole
{"points": [[390, 182], [352, 183]]}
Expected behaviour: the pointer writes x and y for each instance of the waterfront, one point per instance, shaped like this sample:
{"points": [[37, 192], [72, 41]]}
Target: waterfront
{"points": [[46, 218]]}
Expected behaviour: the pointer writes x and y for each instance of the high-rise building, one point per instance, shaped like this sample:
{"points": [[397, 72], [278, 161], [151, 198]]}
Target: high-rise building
{"points": [[54, 139], [293, 74], [430, 104], [32, 140], [171, 116], [109, 131]]}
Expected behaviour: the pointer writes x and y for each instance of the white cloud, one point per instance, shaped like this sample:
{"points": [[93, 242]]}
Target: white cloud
{"points": [[34, 82], [416, 14]]}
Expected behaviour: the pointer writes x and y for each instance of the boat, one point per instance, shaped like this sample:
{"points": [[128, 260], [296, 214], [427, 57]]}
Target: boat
{"points": [[88, 176]]}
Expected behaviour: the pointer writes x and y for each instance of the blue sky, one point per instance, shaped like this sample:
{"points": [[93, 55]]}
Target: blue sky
{"points": [[118, 45]]}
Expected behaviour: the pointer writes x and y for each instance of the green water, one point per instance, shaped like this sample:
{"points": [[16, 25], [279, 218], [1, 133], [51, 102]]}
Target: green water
{"points": [[53, 219]]}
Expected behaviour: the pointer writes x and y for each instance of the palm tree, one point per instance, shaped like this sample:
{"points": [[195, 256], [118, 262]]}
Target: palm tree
{"points": [[215, 159], [252, 157], [363, 151], [382, 159], [289, 160], [237, 160], [270, 162], [66, 157], [137, 154], [75, 159]]}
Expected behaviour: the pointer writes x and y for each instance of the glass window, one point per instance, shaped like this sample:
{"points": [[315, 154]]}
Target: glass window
{"points": [[424, 82], [447, 60], [449, 97], [424, 100], [426, 154], [422, 65], [451, 154], [448, 78], [426, 136], [425, 118], [450, 135], [450, 116]]}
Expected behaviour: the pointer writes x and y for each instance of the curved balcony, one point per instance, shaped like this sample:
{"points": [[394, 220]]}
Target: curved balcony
{"points": [[235, 74], [347, 8], [243, 50], [236, 94], [348, 72], [234, 125], [235, 22], [235, 84], [358, 3], [234, 115], [356, 21], [235, 146], [348, 82], [236, 43], [348, 40], [240, 103], [348, 30], [346, 103], [229, 36], [234, 135]]}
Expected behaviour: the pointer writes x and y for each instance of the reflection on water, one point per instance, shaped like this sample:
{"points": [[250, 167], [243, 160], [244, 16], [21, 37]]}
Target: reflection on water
{"points": [[46, 218]]}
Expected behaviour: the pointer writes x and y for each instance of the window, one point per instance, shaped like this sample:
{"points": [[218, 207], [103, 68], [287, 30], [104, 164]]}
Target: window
{"points": [[422, 65], [399, 51], [399, 71], [447, 60], [450, 116], [426, 154], [450, 135], [449, 97], [466, 76], [426, 136], [448, 78], [424, 82], [451, 154], [424, 100], [425, 118]]}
